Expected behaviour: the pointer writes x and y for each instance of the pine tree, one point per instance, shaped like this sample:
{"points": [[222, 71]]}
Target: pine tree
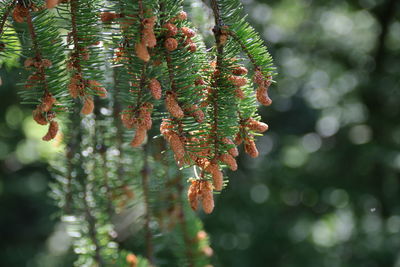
{"points": [[147, 113]]}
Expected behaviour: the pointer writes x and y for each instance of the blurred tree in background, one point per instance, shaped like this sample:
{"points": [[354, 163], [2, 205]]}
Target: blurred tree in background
{"points": [[327, 194]]}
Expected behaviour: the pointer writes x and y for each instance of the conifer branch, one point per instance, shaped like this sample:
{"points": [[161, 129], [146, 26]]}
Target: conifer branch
{"points": [[244, 49], [216, 76], [74, 33], [38, 54], [156, 49], [5, 16]]}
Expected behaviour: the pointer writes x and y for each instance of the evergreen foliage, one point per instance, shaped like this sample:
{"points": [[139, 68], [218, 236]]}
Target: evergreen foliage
{"points": [[157, 71]]}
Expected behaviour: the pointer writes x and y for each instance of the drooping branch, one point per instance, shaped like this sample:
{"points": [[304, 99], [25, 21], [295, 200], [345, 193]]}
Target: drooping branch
{"points": [[38, 53], [75, 38]]}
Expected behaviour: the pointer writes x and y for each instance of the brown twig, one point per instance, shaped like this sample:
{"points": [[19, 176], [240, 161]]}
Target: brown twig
{"points": [[74, 33], [36, 48], [244, 48], [217, 75]]}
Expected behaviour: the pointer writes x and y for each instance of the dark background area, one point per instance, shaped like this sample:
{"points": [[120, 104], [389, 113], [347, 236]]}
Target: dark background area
{"points": [[325, 190]]}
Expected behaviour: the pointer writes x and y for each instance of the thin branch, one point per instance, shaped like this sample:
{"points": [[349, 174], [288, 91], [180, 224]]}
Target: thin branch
{"points": [[36, 48], [74, 33], [216, 77], [244, 48]]}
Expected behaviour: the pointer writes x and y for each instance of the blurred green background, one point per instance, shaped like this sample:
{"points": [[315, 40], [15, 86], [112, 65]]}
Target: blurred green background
{"points": [[325, 190]]}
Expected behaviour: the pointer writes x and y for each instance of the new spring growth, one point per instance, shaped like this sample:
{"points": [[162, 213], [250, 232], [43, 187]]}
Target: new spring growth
{"points": [[238, 80], [54, 3], [201, 190], [43, 113], [176, 143], [20, 13], [216, 174], [147, 40], [189, 34], [172, 105], [262, 90], [79, 87], [155, 88], [247, 126], [142, 123]]}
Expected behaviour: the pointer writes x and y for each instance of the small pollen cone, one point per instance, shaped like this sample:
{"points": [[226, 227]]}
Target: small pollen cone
{"points": [[139, 138], [145, 116], [256, 126], [173, 106], [196, 113], [37, 115], [142, 52], [172, 30], [182, 15], [51, 3], [239, 93], [46, 63], [165, 128], [233, 151], [262, 96], [193, 195], [258, 78], [192, 47], [171, 44], [88, 106], [47, 102], [250, 148], [217, 176], [239, 71], [96, 86], [20, 13], [238, 80], [108, 16], [238, 139], [148, 37], [155, 88], [28, 62], [229, 160], [52, 132], [177, 145], [201, 235], [207, 197], [189, 33], [127, 119], [223, 38], [75, 86]]}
